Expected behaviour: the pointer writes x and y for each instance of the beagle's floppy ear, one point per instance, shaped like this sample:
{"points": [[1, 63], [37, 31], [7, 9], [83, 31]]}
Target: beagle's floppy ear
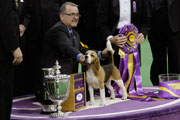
{"points": [[97, 64], [97, 61]]}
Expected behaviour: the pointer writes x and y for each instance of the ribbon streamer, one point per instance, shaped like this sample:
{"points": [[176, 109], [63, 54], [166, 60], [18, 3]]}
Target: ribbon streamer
{"points": [[169, 90]]}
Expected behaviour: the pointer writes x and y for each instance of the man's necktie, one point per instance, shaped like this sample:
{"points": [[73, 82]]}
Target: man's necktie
{"points": [[72, 36]]}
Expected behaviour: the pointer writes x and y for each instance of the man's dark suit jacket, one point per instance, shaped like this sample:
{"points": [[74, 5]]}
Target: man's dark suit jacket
{"points": [[8, 43], [59, 45], [24, 12], [164, 22], [43, 15], [108, 17], [8, 38], [174, 15]]}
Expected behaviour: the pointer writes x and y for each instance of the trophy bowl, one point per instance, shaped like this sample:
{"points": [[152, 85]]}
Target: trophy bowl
{"points": [[57, 88]]}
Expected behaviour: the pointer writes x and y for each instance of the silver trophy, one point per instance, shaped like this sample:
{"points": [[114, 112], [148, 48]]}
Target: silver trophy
{"points": [[47, 107], [57, 87]]}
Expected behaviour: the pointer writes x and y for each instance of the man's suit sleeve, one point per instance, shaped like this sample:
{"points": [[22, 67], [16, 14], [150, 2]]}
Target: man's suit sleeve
{"points": [[7, 35], [102, 19], [25, 12], [146, 17], [26, 16], [174, 15]]}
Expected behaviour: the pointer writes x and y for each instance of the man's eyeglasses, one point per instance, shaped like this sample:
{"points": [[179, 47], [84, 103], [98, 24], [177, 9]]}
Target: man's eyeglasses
{"points": [[73, 14]]}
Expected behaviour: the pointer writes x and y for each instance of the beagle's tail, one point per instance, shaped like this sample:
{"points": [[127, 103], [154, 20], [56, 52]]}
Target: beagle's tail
{"points": [[110, 52]]}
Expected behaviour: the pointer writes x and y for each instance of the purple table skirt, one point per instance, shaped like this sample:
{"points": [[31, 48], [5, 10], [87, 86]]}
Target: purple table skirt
{"points": [[25, 109]]}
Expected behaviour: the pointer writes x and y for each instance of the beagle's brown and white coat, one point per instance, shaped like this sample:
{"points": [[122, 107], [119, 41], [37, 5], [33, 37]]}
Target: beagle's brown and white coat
{"points": [[98, 76]]}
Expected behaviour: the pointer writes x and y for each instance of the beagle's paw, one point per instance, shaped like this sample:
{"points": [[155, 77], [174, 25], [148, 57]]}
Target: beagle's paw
{"points": [[112, 96], [102, 104], [91, 103], [124, 98]]}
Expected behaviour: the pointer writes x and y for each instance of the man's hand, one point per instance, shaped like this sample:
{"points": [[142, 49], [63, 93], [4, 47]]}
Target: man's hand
{"points": [[82, 60], [140, 38], [118, 41], [18, 57], [22, 29]]}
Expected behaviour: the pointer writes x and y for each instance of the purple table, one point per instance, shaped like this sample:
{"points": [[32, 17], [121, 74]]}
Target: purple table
{"points": [[24, 108]]}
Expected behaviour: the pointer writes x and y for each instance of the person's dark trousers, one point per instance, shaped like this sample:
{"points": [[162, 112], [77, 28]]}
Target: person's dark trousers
{"points": [[6, 89], [159, 63], [163, 49], [174, 53]]}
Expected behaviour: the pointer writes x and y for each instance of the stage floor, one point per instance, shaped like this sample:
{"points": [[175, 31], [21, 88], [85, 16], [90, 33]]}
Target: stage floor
{"points": [[24, 108]]}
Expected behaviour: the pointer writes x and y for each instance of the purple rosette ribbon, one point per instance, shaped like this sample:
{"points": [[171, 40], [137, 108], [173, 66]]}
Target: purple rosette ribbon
{"points": [[129, 66], [131, 33]]}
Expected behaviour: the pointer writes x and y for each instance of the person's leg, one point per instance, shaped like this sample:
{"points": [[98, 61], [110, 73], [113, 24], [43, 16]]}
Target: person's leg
{"points": [[159, 63], [174, 54], [6, 89]]}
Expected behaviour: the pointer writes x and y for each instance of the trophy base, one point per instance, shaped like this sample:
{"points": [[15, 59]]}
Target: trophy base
{"points": [[58, 115], [49, 108]]}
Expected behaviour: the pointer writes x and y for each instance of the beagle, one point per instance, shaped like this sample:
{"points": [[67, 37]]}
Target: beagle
{"points": [[98, 76]]}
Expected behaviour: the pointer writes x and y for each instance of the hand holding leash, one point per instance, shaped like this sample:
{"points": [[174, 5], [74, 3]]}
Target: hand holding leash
{"points": [[82, 60]]}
